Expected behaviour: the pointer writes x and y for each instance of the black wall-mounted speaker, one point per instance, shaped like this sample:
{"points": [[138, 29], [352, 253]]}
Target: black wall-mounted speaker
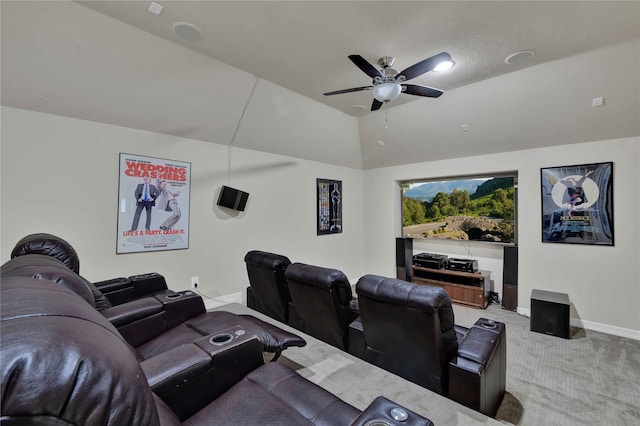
{"points": [[232, 198], [404, 258], [510, 278]]}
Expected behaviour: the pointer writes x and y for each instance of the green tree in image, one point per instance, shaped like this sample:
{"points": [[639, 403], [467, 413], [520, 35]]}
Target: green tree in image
{"points": [[413, 212]]}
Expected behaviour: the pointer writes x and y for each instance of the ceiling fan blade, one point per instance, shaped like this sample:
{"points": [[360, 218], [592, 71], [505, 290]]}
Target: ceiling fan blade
{"points": [[355, 89], [376, 105], [424, 66], [365, 66], [414, 89]]}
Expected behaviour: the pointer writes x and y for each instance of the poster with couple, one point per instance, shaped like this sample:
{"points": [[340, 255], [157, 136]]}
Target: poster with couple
{"points": [[153, 204], [577, 204]]}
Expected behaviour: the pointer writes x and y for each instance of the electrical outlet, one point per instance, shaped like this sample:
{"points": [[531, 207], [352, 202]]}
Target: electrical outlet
{"points": [[194, 282]]}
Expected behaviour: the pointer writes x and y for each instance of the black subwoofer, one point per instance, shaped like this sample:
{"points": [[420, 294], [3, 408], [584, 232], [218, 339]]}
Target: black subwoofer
{"points": [[550, 313]]}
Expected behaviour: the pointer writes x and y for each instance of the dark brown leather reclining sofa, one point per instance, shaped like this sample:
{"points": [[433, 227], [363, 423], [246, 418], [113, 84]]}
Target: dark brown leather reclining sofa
{"points": [[409, 329], [151, 324], [63, 362]]}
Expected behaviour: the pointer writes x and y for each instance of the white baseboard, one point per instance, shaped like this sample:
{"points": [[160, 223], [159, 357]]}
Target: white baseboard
{"points": [[210, 303], [595, 326]]}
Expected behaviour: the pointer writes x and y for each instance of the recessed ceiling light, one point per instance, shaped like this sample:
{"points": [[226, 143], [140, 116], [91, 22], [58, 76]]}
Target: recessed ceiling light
{"points": [[187, 31], [521, 56], [444, 66], [358, 108]]}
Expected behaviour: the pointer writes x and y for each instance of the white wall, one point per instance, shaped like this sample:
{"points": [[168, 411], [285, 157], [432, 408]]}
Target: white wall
{"points": [[603, 283], [60, 175]]}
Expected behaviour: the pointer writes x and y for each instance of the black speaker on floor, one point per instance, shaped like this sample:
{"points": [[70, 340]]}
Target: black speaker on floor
{"points": [[550, 313], [404, 258], [510, 278]]}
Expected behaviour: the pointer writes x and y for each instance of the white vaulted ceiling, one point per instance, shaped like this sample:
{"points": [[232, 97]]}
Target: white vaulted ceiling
{"points": [[115, 62]]}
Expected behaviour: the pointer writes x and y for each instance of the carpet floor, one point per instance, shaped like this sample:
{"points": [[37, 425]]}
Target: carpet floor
{"points": [[591, 379]]}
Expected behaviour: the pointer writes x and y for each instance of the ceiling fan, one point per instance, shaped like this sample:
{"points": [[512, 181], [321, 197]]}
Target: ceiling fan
{"points": [[389, 83]]}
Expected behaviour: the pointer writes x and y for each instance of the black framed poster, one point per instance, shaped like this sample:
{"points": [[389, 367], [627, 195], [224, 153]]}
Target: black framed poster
{"points": [[153, 204], [329, 193], [577, 204]]}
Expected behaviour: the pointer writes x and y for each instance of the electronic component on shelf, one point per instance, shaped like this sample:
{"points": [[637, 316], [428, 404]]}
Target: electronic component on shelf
{"points": [[465, 265], [430, 260]]}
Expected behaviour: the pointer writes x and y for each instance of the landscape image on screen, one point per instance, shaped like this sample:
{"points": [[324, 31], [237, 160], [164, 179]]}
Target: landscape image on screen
{"points": [[480, 209]]}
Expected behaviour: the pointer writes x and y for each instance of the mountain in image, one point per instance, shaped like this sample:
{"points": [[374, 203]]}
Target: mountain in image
{"points": [[428, 190]]}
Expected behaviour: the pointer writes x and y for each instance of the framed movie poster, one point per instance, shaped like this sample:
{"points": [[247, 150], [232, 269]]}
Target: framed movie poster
{"points": [[153, 204], [329, 194], [577, 204]]}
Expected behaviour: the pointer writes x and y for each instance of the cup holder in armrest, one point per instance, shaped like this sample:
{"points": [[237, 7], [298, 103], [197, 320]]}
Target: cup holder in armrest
{"points": [[490, 325], [173, 296], [220, 339], [384, 412], [398, 414]]}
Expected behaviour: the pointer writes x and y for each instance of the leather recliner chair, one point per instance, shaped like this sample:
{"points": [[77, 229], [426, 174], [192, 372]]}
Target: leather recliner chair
{"points": [[61, 362], [152, 324], [110, 292], [409, 330], [324, 302], [268, 291]]}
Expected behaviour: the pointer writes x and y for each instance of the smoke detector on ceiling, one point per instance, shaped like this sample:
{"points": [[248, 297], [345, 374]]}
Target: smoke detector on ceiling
{"points": [[187, 31]]}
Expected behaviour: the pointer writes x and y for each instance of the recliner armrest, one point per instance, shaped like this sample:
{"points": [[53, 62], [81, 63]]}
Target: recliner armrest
{"points": [[113, 284], [171, 369], [122, 290], [132, 311], [481, 341], [146, 284], [389, 413], [190, 376], [180, 306], [357, 343], [354, 306], [477, 374]]}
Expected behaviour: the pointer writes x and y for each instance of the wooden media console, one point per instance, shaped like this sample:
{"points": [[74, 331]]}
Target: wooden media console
{"points": [[466, 288]]}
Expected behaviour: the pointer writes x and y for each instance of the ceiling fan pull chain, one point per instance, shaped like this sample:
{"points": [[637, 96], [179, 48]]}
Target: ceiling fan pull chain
{"points": [[386, 115]]}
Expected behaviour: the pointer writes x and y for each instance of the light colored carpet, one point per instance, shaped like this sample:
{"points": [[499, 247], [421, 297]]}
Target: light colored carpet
{"points": [[359, 383], [590, 379]]}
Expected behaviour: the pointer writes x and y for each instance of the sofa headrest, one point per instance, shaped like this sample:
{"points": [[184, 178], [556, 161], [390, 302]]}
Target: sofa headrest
{"points": [[48, 268], [324, 278], [62, 362], [267, 260], [50, 245], [403, 293]]}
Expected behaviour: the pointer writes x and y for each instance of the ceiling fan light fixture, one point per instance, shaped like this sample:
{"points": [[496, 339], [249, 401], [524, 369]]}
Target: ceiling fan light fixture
{"points": [[444, 66], [387, 92]]}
